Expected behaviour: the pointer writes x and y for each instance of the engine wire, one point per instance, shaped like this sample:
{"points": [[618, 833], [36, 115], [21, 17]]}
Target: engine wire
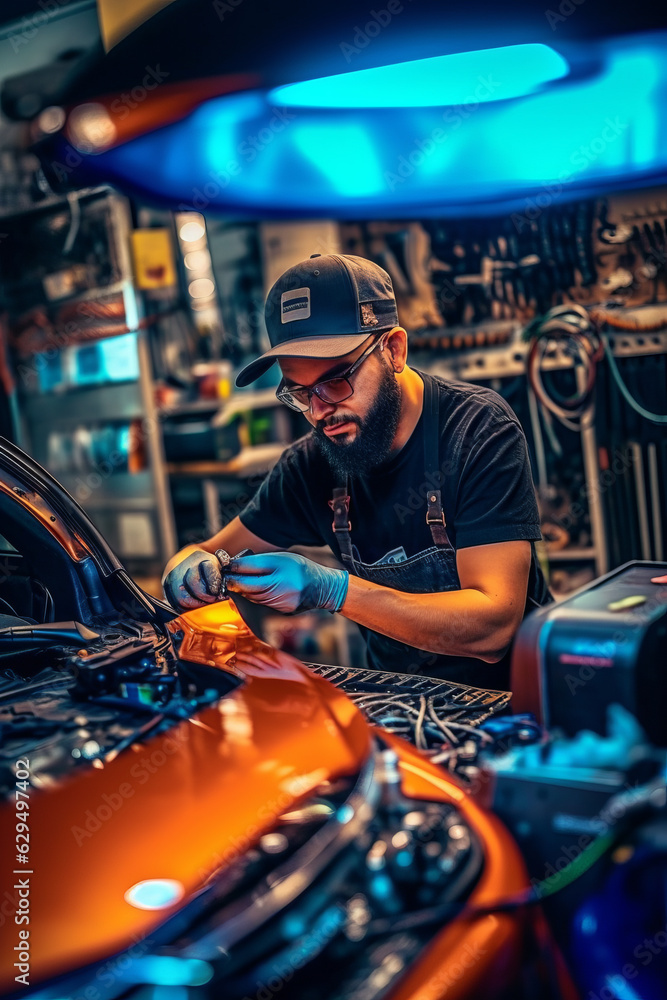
{"points": [[549, 886]]}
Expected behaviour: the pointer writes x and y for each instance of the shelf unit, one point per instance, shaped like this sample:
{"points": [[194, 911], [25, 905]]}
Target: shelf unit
{"points": [[496, 363], [252, 460], [132, 509]]}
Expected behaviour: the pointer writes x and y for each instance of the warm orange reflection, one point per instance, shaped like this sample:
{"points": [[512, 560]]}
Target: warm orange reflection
{"points": [[181, 805]]}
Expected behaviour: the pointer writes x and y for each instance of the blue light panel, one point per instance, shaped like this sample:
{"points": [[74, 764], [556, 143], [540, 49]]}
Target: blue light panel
{"points": [[433, 82], [245, 155]]}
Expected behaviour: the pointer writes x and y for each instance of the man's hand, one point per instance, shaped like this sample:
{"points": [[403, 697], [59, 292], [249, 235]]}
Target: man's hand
{"points": [[194, 581], [287, 582]]}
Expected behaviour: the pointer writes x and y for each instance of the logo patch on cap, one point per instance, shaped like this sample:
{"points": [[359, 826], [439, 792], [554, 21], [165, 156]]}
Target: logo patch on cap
{"points": [[295, 304], [368, 317]]}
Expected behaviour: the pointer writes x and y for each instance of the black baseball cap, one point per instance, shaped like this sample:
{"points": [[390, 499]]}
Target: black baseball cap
{"points": [[324, 307]]}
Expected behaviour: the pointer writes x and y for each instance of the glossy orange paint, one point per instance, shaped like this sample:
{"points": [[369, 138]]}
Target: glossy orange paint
{"points": [[474, 957], [183, 804], [179, 806]]}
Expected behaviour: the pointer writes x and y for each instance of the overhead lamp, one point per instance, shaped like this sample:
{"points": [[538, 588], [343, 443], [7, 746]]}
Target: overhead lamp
{"points": [[457, 78]]}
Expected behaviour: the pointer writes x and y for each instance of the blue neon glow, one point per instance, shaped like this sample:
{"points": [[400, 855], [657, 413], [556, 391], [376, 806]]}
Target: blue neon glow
{"points": [[327, 148], [457, 78], [293, 926], [345, 813], [166, 970], [621, 988], [154, 893], [243, 155], [381, 886], [120, 357]]}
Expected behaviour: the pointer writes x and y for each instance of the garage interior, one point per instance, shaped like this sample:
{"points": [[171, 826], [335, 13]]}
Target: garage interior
{"points": [[527, 253]]}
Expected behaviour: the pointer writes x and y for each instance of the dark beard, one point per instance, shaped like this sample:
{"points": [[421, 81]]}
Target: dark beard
{"points": [[372, 444]]}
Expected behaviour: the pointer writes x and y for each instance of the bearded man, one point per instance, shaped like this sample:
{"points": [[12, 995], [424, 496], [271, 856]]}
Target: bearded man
{"points": [[421, 487]]}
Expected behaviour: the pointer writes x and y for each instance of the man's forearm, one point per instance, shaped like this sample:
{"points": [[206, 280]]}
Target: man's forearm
{"points": [[455, 623]]}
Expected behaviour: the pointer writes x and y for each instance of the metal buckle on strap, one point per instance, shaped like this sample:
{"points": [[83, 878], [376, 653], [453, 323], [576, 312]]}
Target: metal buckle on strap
{"points": [[343, 504], [434, 501]]}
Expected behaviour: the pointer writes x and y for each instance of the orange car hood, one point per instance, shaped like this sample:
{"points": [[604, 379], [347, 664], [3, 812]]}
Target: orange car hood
{"points": [[177, 806]]}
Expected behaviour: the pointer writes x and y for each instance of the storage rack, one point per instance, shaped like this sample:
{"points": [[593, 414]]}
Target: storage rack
{"points": [[138, 494], [494, 363]]}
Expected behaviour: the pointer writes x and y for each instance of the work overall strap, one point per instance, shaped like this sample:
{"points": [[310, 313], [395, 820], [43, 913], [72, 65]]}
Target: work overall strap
{"points": [[340, 504], [435, 515]]}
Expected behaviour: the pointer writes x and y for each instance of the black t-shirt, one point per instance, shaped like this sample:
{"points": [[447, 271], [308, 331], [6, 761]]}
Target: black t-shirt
{"points": [[483, 473]]}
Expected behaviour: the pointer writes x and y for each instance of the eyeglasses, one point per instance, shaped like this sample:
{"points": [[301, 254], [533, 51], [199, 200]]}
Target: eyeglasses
{"points": [[329, 390]]}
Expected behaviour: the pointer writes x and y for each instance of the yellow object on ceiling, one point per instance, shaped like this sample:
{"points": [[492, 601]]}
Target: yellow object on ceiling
{"points": [[118, 18]]}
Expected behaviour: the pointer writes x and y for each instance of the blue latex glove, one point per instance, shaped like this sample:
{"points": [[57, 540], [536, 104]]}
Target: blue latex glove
{"points": [[287, 582]]}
